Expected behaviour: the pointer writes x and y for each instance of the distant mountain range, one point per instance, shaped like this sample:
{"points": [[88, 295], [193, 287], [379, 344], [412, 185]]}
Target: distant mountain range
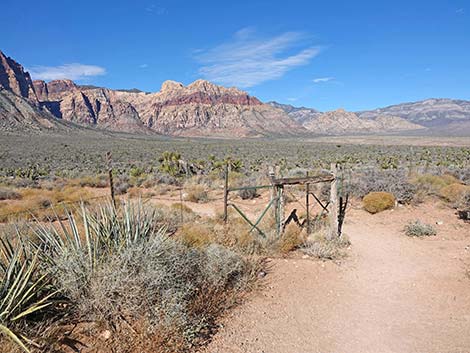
{"points": [[201, 109]]}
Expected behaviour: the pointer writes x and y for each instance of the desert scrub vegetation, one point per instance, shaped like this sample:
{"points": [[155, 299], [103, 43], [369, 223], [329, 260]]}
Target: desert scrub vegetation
{"points": [[36, 203], [375, 202], [396, 182], [120, 266], [419, 229], [321, 246], [9, 194]]}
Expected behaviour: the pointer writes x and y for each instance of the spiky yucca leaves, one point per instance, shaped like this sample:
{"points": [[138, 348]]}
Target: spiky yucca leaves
{"points": [[72, 251], [23, 290], [97, 233]]}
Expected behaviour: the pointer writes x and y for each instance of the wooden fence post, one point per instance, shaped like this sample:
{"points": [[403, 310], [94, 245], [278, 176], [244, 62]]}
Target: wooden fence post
{"points": [[307, 205], [333, 212], [109, 162], [226, 194]]}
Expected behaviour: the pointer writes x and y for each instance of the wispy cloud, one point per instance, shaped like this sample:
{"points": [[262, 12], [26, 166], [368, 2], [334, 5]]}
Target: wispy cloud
{"points": [[70, 71], [156, 9], [292, 99], [143, 66], [323, 79], [247, 60], [460, 11]]}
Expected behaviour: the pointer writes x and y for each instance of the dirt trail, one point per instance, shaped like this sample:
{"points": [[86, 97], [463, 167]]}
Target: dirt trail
{"points": [[391, 294]]}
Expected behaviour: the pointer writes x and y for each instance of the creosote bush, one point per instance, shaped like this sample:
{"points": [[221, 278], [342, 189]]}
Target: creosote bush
{"points": [[419, 229], [375, 202]]}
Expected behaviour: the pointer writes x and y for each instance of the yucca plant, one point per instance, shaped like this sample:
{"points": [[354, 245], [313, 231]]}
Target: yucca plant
{"points": [[98, 232], [23, 290], [71, 250]]}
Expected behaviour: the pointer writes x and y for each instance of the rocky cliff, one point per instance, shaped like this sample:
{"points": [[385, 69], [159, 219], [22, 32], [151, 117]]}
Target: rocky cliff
{"points": [[13, 78], [199, 109]]}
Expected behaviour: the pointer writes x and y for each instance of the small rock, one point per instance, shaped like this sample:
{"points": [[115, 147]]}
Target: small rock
{"points": [[305, 256], [106, 334], [261, 274], [439, 223]]}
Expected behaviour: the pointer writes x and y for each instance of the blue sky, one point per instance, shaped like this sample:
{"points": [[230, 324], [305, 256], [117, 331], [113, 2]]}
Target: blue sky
{"points": [[322, 54]]}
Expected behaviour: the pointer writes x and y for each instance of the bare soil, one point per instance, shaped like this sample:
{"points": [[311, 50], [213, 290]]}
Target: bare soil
{"points": [[391, 293]]}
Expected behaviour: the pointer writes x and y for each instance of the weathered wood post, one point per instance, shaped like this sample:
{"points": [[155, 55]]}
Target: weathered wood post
{"points": [[226, 193], [333, 209], [109, 162], [281, 210], [307, 205]]}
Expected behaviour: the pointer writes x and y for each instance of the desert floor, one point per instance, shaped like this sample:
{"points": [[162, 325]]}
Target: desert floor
{"points": [[391, 293]]}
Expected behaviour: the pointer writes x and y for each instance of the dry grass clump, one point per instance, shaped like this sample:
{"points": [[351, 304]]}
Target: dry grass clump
{"points": [[319, 245], [292, 239], [429, 184], [419, 229], [196, 193], [375, 202], [454, 193], [36, 203], [9, 194], [195, 235], [96, 181]]}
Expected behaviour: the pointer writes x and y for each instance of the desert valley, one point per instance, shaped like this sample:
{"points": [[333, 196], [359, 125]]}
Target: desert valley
{"points": [[203, 217]]}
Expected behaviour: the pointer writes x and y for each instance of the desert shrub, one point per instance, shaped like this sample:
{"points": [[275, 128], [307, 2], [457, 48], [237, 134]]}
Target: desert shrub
{"points": [[432, 184], [418, 229], [121, 188], [163, 178], [395, 182], [291, 239], [8, 194], [196, 193], [319, 246], [136, 172], [454, 193], [97, 181], [21, 183], [195, 235], [124, 266], [36, 203], [248, 194], [465, 204], [375, 202]]}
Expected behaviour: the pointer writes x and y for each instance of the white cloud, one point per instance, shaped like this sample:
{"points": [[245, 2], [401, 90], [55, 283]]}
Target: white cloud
{"points": [[247, 60], [143, 66], [292, 99], [156, 9], [66, 71], [323, 79]]}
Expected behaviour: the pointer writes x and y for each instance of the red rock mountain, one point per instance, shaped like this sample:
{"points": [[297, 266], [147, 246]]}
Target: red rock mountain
{"points": [[199, 109], [19, 107], [341, 122], [13, 78]]}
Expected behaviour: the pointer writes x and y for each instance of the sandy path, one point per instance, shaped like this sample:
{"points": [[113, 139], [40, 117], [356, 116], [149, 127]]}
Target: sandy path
{"points": [[391, 294]]}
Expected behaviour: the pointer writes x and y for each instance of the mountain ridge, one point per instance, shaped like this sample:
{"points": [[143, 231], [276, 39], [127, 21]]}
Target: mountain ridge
{"points": [[202, 108]]}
